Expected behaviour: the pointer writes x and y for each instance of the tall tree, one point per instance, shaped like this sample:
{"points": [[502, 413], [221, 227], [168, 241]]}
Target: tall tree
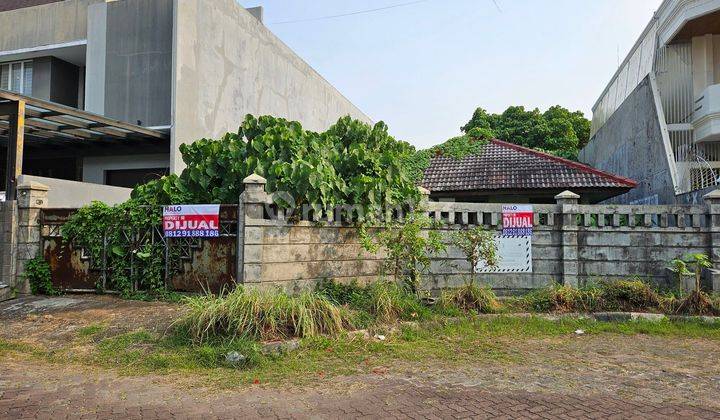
{"points": [[557, 130]]}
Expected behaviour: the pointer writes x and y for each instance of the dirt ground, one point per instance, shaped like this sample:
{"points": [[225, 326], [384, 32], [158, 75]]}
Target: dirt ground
{"points": [[590, 376], [52, 322]]}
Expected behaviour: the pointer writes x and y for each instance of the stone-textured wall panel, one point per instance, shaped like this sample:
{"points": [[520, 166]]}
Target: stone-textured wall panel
{"points": [[291, 271], [316, 252]]}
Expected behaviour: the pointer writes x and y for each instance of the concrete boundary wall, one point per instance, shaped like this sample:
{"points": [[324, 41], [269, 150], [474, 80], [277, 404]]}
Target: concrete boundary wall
{"points": [[572, 244]]}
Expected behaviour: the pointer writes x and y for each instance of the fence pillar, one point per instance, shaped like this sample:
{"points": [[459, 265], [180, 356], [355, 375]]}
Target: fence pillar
{"points": [[251, 206], [31, 199], [712, 204], [8, 248], [424, 198], [568, 202]]}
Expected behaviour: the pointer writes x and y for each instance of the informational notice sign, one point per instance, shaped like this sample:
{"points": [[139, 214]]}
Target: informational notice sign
{"points": [[192, 221], [514, 255], [517, 220]]}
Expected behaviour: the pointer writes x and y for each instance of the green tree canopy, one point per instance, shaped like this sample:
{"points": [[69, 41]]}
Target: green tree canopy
{"points": [[350, 163], [557, 130]]}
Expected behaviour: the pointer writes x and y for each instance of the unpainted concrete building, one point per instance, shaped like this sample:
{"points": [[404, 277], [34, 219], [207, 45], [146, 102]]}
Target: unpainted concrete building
{"points": [[658, 120], [188, 68]]}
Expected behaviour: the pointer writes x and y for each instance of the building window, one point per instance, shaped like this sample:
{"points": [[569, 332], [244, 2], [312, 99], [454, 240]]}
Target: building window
{"points": [[17, 77]]}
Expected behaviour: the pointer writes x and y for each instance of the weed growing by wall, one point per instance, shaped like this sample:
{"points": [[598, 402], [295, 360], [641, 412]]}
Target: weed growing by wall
{"points": [[37, 271]]}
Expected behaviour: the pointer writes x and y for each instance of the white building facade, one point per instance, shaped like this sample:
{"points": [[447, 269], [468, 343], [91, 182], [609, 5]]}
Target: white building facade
{"points": [[658, 119], [191, 69]]}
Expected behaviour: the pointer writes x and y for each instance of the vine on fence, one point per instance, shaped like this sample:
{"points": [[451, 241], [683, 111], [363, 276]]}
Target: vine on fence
{"points": [[109, 234]]}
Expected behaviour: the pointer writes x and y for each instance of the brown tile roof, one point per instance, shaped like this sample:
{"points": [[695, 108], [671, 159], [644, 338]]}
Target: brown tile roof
{"points": [[507, 166]]}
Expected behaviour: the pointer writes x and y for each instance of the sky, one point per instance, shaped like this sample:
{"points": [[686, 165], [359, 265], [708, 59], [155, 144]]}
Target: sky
{"points": [[423, 68]]}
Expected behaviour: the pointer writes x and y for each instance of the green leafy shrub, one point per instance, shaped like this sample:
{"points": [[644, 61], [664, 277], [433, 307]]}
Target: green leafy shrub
{"points": [[344, 293], [697, 302], [629, 295], [477, 244], [260, 314], [470, 297], [408, 244], [350, 163], [37, 271]]}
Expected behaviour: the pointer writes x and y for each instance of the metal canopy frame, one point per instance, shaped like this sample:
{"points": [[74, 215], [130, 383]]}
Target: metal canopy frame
{"points": [[46, 122]]}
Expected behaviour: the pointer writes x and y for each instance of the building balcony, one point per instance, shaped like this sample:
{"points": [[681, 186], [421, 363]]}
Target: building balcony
{"points": [[706, 116]]}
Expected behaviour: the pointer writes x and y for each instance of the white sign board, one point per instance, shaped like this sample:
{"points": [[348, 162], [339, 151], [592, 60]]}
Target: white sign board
{"points": [[514, 255]]}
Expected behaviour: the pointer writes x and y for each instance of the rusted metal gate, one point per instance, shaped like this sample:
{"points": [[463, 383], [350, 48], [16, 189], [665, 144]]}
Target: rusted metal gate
{"points": [[191, 264]]}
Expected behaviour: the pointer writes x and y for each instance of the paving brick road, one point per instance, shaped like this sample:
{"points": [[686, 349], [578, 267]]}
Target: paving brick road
{"points": [[30, 392]]}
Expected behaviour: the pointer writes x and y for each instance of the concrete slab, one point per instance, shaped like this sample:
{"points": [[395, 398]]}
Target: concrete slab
{"points": [[37, 304]]}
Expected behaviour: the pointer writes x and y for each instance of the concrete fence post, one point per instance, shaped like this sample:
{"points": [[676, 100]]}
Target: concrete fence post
{"points": [[31, 199], [712, 204], [251, 205], [568, 203], [8, 248], [424, 198]]}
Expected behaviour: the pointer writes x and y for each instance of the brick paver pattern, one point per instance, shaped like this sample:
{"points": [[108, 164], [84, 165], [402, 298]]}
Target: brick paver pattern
{"points": [[26, 394]]}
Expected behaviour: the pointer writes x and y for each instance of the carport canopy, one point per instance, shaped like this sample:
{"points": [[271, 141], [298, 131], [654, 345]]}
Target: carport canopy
{"points": [[33, 121]]}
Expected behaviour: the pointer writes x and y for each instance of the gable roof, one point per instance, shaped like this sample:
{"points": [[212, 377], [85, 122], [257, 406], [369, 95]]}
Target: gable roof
{"points": [[506, 166]]}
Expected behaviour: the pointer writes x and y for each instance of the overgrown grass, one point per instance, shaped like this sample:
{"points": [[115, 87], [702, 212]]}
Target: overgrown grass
{"points": [[260, 314], [470, 298], [268, 314], [452, 343], [629, 295], [380, 302], [386, 301], [620, 295]]}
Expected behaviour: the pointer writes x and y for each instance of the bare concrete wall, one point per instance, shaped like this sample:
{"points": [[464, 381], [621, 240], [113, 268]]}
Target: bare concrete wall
{"points": [[64, 194], [49, 24], [94, 167], [228, 64], [55, 80], [19, 4], [138, 61], [631, 144]]}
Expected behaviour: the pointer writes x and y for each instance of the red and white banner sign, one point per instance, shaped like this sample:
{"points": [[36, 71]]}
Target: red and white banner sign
{"points": [[192, 220], [517, 220]]}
